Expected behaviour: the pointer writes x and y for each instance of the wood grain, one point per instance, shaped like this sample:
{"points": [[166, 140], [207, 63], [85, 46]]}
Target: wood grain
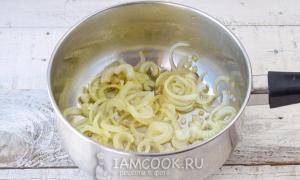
{"points": [[274, 48], [271, 136], [24, 57], [28, 137], [257, 172], [45, 174], [23, 65], [65, 13]]}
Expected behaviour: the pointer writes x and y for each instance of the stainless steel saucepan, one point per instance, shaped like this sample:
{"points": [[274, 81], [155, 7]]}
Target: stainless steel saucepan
{"points": [[120, 32]]}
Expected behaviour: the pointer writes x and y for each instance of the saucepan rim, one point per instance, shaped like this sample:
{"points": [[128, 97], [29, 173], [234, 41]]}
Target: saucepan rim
{"points": [[188, 148]]}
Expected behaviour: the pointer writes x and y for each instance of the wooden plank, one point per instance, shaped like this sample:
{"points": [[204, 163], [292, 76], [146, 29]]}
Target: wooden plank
{"points": [[57, 13], [24, 56], [271, 48], [45, 174], [257, 172], [225, 173], [28, 137], [271, 136], [23, 65]]}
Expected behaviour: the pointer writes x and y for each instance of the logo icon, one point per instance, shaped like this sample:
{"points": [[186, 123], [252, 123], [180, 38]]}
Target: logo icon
{"points": [[101, 173]]}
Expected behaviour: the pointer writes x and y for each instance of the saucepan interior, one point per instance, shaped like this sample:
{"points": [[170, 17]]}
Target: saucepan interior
{"points": [[121, 32]]}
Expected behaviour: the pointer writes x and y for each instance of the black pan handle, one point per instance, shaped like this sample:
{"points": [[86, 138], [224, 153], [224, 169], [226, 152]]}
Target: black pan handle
{"points": [[284, 88]]}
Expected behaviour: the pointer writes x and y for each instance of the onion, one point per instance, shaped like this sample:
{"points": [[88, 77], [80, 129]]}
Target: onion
{"points": [[139, 108]]}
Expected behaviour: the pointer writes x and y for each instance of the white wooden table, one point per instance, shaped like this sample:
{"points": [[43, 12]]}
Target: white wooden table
{"points": [[29, 145]]}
